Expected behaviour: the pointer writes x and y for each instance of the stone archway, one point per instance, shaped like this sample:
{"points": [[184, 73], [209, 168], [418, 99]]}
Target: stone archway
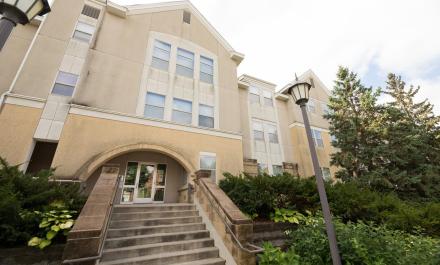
{"points": [[94, 163]]}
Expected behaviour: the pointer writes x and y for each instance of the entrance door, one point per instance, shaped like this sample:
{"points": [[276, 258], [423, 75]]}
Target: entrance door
{"points": [[139, 182]]}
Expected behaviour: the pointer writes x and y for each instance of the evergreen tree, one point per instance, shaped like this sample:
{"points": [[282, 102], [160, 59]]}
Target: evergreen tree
{"points": [[353, 120]]}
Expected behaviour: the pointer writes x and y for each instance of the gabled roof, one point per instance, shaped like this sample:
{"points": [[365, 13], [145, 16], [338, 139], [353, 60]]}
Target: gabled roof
{"points": [[247, 79], [309, 74], [124, 11]]}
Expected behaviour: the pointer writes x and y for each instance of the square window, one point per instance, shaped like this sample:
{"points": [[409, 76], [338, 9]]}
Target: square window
{"points": [[83, 32], [155, 105], [161, 55], [65, 84]]}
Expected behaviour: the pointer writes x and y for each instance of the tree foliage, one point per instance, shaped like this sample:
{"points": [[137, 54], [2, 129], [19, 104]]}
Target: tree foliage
{"points": [[389, 146]]}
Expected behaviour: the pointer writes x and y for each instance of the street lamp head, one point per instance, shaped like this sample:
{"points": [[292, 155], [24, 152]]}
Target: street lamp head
{"points": [[23, 11], [299, 91]]}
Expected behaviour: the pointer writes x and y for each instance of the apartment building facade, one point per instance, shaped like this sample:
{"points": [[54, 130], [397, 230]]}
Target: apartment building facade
{"points": [[150, 89]]}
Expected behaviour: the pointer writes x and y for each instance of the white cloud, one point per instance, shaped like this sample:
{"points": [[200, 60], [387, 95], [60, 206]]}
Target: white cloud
{"points": [[281, 37]]}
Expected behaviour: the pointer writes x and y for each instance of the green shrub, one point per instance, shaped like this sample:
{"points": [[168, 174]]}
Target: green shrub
{"points": [[363, 243], [286, 216], [275, 256], [262, 195], [22, 194]]}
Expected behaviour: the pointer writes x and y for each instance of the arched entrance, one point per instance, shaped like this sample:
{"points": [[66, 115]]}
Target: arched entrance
{"points": [[150, 173]]}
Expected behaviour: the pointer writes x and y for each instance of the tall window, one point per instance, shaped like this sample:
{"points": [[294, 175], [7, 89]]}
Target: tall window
{"points": [[272, 134], [311, 106], [208, 162], [154, 106], [254, 95], [65, 84], [317, 138], [182, 111], [206, 70], [206, 116], [83, 32], [185, 63], [326, 175], [258, 131], [268, 101], [262, 169], [161, 55]]}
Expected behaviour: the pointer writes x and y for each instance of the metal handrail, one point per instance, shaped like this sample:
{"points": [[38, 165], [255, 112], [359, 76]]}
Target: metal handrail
{"points": [[256, 250], [99, 256]]}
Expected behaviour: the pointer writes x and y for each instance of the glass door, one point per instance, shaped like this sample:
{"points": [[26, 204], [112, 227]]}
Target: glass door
{"points": [[144, 182]]}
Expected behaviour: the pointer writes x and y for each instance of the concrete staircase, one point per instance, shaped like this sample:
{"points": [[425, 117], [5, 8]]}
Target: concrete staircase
{"points": [[158, 234]]}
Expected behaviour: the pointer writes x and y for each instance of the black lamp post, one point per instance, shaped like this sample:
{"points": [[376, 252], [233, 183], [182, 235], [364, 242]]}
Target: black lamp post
{"points": [[19, 11], [299, 90]]}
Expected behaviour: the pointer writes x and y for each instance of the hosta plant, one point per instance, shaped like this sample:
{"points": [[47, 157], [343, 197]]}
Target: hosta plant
{"points": [[53, 223], [286, 216]]}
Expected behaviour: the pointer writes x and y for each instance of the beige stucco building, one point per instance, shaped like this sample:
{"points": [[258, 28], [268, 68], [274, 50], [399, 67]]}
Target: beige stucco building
{"points": [[151, 89]]}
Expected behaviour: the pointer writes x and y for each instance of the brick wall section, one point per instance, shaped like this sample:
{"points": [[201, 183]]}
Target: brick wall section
{"points": [[87, 235], [220, 209]]}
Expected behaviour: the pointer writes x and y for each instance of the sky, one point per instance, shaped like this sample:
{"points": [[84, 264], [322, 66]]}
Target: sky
{"points": [[282, 37]]}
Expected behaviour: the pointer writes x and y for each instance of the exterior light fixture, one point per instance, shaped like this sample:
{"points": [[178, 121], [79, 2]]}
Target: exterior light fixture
{"points": [[19, 11], [299, 90]]}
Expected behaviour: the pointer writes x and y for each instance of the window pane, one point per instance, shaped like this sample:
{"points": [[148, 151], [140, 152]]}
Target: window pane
{"points": [[206, 110], [257, 126], [208, 69], [153, 112], [182, 105], [127, 195], [311, 105], [206, 60], [64, 90], [182, 117], [161, 54], [155, 99], [205, 121], [254, 90], [267, 94], [326, 175], [258, 135], [82, 36], [67, 78], [273, 138], [277, 170], [162, 45], [86, 28], [130, 177], [268, 102], [159, 64], [206, 78], [161, 174], [159, 194], [262, 168], [254, 98], [184, 71], [184, 61], [207, 162], [184, 53]]}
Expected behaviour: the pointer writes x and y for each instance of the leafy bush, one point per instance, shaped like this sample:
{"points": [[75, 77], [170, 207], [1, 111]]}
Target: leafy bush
{"points": [[363, 243], [22, 194], [275, 256], [262, 195], [286, 216], [52, 223]]}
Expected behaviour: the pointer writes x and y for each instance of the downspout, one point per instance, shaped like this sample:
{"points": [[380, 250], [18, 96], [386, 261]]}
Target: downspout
{"points": [[3, 96]]}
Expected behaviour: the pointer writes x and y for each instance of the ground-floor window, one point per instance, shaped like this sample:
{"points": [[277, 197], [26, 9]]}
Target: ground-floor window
{"points": [[277, 169], [326, 175], [208, 162], [42, 156]]}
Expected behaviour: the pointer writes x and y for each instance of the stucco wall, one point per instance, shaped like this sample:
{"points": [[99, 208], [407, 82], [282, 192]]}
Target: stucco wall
{"points": [[83, 138], [13, 53], [17, 126]]}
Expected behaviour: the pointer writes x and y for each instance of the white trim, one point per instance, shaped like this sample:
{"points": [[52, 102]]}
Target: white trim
{"points": [[299, 124], [117, 116], [207, 154], [26, 101]]}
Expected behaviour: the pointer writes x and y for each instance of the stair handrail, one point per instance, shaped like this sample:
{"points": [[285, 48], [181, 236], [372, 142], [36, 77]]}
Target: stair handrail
{"points": [[257, 249], [101, 248]]}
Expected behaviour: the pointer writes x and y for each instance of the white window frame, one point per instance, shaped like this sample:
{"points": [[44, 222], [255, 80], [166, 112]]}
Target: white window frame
{"points": [[214, 170], [178, 66], [177, 110], [157, 106], [156, 58], [212, 117], [84, 28], [203, 73]]}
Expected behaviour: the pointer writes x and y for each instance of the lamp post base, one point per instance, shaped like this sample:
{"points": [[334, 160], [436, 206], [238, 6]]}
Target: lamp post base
{"points": [[6, 26]]}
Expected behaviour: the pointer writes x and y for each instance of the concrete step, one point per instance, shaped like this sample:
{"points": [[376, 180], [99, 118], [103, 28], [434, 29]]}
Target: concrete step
{"points": [[151, 249], [119, 242], [188, 256], [217, 261], [152, 215], [148, 230], [155, 222], [132, 208]]}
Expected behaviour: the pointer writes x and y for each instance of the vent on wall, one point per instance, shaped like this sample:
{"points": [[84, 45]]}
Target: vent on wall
{"points": [[90, 11], [187, 17]]}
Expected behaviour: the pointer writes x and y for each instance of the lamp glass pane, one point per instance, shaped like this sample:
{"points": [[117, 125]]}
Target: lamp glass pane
{"points": [[10, 2], [35, 10], [24, 5]]}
